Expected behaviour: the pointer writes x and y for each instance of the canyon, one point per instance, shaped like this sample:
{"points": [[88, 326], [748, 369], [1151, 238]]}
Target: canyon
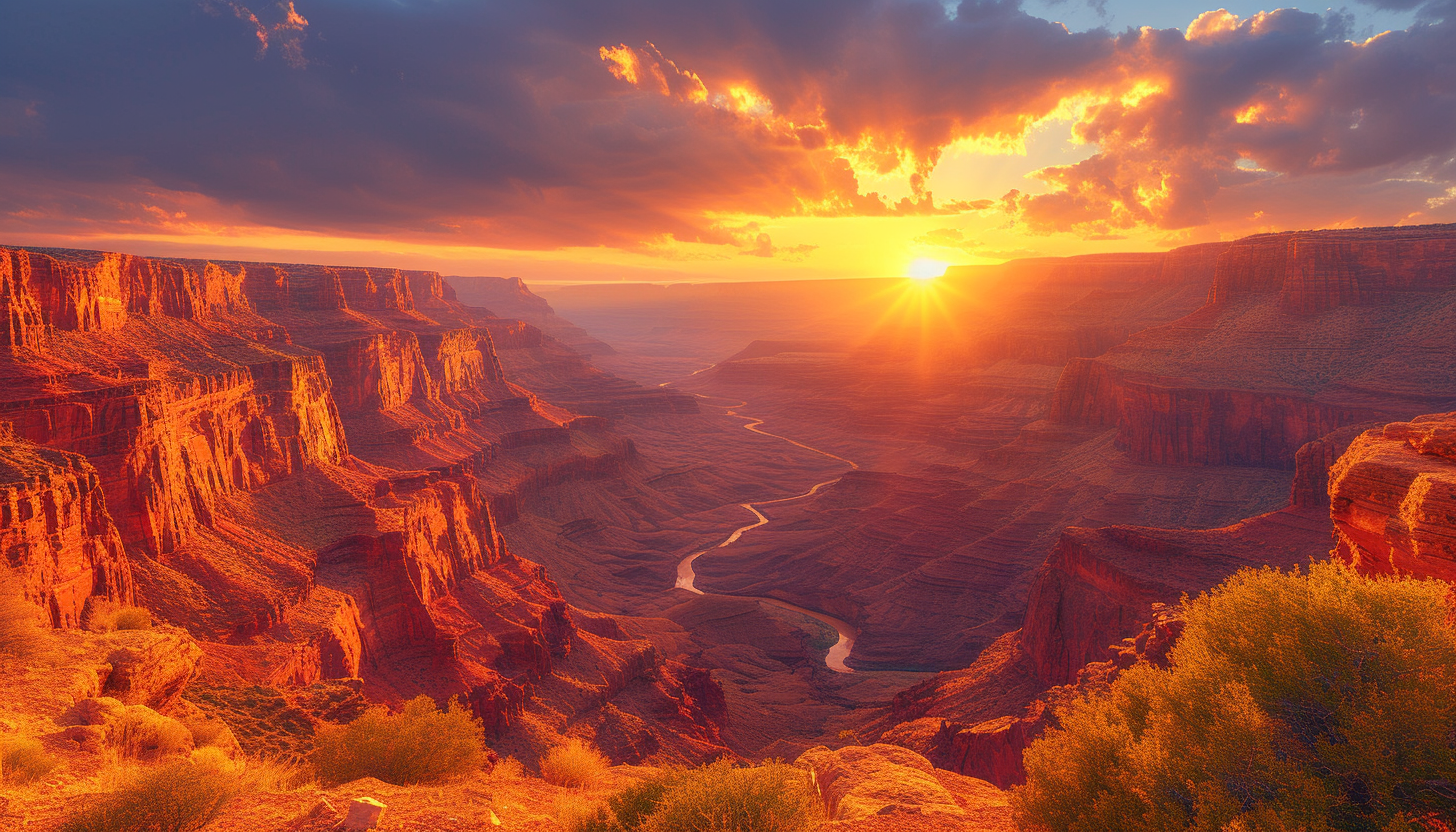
{"points": [[698, 521]]}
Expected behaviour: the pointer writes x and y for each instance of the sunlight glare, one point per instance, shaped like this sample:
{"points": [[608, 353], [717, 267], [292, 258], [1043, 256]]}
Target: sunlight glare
{"points": [[926, 269]]}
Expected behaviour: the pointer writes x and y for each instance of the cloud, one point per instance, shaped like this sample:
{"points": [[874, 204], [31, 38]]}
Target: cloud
{"points": [[536, 124], [954, 238], [287, 32], [763, 247], [1282, 92], [521, 124]]}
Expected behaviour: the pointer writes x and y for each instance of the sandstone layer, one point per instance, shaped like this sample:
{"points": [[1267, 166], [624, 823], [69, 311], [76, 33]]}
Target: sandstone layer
{"points": [[1303, 333], [1393, 499], [304, 466]]}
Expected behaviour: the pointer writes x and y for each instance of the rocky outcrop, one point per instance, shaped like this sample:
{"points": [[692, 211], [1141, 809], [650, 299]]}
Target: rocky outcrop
{"points": [[1097, 584], [1164, 424], [150, 667], [509, 297], [54, 528], [168, 451], [1316, 271], [93, 291], [1393, 499], [863, 781], [1302, 334], [942, 717], [379, 372], [195, 402]]}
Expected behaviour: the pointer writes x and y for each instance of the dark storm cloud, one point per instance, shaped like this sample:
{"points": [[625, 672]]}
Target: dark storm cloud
{"points": [[496, 122], [503, 123]]}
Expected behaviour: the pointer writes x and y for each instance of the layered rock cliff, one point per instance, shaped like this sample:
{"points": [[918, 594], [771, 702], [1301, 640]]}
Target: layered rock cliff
{"points": [[1393, 499], [1098, 587], [1316, 271], [1303, 333], [55, 530], [302, 463]]}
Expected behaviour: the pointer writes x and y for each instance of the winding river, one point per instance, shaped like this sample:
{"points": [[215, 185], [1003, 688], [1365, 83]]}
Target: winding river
{"points": [[839, 653]]}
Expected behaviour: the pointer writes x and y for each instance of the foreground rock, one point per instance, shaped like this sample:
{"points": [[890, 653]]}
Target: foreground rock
{"points": [[1393, 499], [888, 787]]}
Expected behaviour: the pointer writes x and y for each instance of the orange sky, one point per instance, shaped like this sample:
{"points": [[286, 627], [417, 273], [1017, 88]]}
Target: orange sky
{"points": [[663, 142]]}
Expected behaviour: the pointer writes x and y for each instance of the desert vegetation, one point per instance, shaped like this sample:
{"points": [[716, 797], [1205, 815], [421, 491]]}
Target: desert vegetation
{"points": [[23, 759], [1304, 700], [178, 796], [420, 744], [104, 617], [20, 632], [573, 763], [139, 732], [720, 797]]}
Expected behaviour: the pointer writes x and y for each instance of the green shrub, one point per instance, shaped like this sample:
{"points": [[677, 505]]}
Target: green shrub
{"points": [[140, 732], [107, 616], [23, 759], [720, 797], [132, 618], [601, 820], [579, 814], [1295, 701], [20, 633], [417, 745], [180, 796], [628, 809], [772, 797], [632, 806], [572, 764]]}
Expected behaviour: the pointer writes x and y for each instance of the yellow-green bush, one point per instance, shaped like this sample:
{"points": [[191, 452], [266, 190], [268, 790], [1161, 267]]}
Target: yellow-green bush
{"points": [[417, 745], [23, 759], [180, 796], [772, 797], [140, 732], [106, 616], [720, 797], [132, 618], [1318, 700], [572, 764], [21, 635]]}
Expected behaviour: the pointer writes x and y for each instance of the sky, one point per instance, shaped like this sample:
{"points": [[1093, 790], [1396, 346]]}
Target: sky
{"points": [[600, 140]]}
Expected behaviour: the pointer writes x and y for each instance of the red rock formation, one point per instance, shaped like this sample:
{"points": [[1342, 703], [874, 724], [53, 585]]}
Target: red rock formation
{"points": [[1393, 499], [1316, 271], [150, 667], [204, 395], [1097, 584], [99, 291], [1303, 333], [55, 528], [942, 718], [1096, 588], [509, 297]]}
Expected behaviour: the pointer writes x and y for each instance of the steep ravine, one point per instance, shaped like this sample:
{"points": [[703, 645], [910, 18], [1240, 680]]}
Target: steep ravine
{"points": [[838, 655]]}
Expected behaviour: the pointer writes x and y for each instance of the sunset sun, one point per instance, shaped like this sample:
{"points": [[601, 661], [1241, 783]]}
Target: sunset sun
{"points": [[924, 268]]}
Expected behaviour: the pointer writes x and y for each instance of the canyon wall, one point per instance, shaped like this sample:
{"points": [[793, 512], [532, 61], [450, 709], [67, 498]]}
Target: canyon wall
{"points": [[55, 530], [1316, 271], [1303, 333], [301, 463]]}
